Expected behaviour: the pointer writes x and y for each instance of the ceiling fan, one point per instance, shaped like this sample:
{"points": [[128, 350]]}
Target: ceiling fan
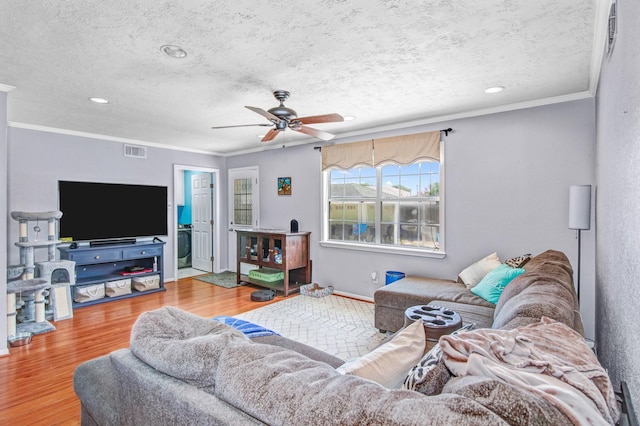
{"points": [[282, 118]]}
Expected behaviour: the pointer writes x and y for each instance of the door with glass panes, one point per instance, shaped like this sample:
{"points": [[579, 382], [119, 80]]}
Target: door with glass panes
{"points": [[243, 206]]}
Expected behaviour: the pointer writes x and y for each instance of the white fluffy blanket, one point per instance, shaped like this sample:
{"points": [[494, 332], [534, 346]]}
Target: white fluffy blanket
{"points": [[547, 358]]}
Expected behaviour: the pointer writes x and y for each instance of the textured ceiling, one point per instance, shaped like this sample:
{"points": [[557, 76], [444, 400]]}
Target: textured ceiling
{"points": [[385, 62]]}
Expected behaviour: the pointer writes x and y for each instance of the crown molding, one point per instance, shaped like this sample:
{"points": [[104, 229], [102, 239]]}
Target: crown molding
{"points": [[470, 114], [6, 88], [600, 34], [105, 137], [340, 137]]}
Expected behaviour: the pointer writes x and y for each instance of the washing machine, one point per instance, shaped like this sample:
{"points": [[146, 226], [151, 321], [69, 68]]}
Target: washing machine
{"points": [[184, 246]]}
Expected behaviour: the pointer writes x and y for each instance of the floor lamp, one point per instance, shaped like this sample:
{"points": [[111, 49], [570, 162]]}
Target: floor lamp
{"points": [[579, 215]]}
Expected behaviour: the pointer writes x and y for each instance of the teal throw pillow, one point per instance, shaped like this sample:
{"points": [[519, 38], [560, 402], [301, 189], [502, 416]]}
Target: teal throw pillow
{"points": [[491, 286]]}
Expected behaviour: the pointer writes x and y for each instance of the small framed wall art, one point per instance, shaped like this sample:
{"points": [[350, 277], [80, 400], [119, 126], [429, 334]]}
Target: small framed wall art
{"points": [[284, 186]]}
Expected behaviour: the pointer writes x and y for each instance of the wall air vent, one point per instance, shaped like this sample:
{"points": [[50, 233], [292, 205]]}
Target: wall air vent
{"points": [[135, 151]]}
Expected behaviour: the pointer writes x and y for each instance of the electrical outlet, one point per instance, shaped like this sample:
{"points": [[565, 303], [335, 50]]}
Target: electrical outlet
{"points": [[374, 277]]}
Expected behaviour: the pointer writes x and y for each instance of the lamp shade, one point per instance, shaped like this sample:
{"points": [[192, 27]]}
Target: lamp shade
{"points": [[579, 206]]}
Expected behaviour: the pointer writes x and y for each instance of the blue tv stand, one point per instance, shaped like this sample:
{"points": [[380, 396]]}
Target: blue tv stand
{"points": [[95, 265]]}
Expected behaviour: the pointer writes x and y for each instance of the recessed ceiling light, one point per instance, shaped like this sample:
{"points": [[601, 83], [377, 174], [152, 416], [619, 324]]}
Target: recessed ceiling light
{"points": [[494, 89], [349, 118], [99, 100], [261, 136], [174, 51]]}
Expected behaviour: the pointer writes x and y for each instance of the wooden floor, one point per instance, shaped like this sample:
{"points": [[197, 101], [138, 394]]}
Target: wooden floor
{"points": [[36, 380]]}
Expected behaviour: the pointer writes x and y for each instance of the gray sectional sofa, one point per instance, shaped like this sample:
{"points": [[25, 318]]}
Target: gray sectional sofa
{"points": [[182, 369], [545, 289]]}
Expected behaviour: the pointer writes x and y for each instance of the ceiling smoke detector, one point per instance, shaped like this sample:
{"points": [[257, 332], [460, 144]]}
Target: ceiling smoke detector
{"points": [[173, 51]]}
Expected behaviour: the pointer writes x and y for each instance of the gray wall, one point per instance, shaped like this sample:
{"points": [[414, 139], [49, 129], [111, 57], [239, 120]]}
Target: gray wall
{"points": [[507, 190], [4, 161], [37, 160], [618, 204], [507, 178]]}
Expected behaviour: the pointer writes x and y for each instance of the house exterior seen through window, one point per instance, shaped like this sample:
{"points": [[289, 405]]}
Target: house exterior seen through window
{"points": [[388, 205]]}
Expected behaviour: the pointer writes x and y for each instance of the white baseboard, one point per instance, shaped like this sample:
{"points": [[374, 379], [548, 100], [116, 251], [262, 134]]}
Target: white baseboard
{"points": [[353, 296]]}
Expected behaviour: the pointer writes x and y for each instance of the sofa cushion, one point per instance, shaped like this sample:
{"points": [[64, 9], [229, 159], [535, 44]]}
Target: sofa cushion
{"points": [[146, 396], [388, 363], [491, 286], [472, 274], [546, 289], [412, 291], [517, 406], [301, 348], [482, 316], [164, 338], [280, 387]]}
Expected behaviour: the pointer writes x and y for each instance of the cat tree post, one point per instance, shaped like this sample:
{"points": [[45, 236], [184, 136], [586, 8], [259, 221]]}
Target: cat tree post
{"points": [[11, 314], [30, 291]]}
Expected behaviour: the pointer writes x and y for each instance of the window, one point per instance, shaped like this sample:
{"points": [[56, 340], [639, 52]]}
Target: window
{"points": [[242, 201], [388, 205], [385, 194]]}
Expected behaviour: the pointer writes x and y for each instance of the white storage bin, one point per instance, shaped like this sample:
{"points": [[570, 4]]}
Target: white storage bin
{"points": [[117, 288], [145, 283], [88, 292]]}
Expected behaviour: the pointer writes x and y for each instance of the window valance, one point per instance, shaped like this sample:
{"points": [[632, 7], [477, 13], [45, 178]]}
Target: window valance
{"points": [[348, 155], [404, 149]]}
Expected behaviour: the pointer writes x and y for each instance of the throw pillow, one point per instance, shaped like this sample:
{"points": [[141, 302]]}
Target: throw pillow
{"points": [[492, 285], [518, 262], [431, 374], [388, 364], [472, 274]]}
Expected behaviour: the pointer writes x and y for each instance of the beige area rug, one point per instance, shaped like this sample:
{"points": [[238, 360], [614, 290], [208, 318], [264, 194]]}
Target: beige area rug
{"points": [[337, 325]]}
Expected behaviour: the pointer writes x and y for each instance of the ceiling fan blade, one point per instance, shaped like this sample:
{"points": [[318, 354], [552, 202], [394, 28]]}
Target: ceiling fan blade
{"points": [[326, 118], [242, 125], [271, 135], [315, 132], [265, 114]]}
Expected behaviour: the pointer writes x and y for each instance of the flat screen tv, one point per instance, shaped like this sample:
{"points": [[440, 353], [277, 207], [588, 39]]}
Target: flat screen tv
{"points": [[93, 211]]}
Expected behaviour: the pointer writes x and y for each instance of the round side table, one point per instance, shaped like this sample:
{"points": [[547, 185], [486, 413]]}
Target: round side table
{"points": [[437, 321]]}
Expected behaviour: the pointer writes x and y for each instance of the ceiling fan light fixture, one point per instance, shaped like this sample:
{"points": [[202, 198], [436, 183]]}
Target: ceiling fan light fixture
{"points": [[282, 118], [494, 89], [99, 100], [173, 51], [283, 112]]}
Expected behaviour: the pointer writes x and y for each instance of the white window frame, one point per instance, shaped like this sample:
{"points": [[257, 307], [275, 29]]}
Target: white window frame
{"points": [[378, 248]]}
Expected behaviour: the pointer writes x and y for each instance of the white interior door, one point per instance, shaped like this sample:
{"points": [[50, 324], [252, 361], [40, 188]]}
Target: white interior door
{"points": [[201, 222], [243, 206]]}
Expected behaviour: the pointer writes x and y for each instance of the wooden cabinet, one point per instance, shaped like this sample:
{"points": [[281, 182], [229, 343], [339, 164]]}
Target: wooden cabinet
{"points": [[276, 250], [96, 265]]}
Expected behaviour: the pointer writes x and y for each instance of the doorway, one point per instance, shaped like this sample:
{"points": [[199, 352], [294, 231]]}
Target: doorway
{"points": [[197, 233]]}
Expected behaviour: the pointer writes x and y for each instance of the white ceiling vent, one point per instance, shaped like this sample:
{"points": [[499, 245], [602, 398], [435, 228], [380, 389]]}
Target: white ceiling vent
{"points": [[135, 151]]}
